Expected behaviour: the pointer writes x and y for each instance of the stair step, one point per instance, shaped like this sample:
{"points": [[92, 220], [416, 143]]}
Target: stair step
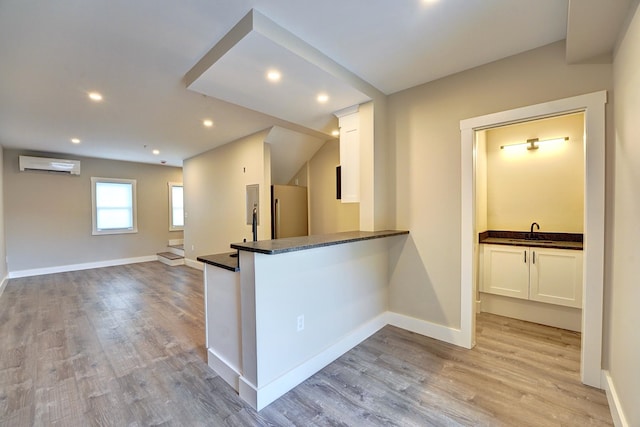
{"points": [[169, 255], [170, 258], [177, 250]]}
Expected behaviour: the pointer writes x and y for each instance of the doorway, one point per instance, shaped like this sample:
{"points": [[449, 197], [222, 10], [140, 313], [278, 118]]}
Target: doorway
{"points": [[520, 185], [593, 106]]}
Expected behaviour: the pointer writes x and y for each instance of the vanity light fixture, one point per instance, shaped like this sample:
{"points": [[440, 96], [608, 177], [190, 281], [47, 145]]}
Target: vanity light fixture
{"points": [[534, 143]]}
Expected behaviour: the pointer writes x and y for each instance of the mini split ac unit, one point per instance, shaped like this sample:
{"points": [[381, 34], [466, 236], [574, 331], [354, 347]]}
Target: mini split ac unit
{"points": [[70, 167]]}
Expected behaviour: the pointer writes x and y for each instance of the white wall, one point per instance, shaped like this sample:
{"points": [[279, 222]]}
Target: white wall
{"points": [[48, 216], [215, 195], [424, 126], [326, 213], [301, 177], [3, 249], [622, 316], [544, 185]]}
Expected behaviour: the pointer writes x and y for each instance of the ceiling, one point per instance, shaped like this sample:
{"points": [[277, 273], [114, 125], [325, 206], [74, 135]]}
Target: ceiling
{"points": [[164, 66]]}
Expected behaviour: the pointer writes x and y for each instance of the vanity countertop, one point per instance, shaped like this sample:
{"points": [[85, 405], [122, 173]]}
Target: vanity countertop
{"points": [[540, 240]]}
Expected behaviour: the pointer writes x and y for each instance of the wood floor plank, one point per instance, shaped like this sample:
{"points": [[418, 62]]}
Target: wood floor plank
{"points": [[125, 346]]}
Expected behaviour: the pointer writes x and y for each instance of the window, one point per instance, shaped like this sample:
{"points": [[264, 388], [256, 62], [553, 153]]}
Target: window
{"points": [[176, 206], [114, 205]]}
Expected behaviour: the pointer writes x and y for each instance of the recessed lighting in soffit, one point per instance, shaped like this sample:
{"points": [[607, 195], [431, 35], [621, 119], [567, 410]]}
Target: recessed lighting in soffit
{"points": [[274, 76], [95, 96], [234, 69]]}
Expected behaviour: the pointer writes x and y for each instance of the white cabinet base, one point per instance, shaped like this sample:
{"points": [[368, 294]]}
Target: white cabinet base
{"points": [[532, 311]]}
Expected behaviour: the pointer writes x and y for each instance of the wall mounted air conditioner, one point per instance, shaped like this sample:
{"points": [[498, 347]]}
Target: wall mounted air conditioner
{"points": [[69, 167]]}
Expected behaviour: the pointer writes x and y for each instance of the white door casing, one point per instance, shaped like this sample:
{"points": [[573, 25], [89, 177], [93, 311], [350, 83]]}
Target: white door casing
{"points": [[593, 105]]}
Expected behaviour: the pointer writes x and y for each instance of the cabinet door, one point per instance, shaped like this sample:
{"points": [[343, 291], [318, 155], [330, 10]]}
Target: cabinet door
{"points": [[556, 276], [350, 158], [506, 271]]}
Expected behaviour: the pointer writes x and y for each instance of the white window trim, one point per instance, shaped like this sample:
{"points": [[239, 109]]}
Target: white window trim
{"points": [[171, 185], [96, 231]]}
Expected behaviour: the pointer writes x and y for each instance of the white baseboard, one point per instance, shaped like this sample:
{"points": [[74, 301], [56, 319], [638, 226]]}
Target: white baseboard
{"points": [[77, 267], [224, 369], [194, 264], [619, 420], [431, 330], [261, 397], [3, 284]]}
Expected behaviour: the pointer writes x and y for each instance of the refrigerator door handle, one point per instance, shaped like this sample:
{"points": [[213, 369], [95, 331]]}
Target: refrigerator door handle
{"points": [[277, 221]]}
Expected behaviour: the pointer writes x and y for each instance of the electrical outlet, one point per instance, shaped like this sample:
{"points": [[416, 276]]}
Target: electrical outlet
{"points": [[300, 322], [193, 247]]}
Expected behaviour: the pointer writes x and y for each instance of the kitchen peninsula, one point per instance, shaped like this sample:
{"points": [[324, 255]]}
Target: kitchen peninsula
{"points": [[284, 309]]}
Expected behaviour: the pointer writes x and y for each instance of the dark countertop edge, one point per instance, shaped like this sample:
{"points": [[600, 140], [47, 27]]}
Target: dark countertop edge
{"points": [[223, 260], [293, 244], [522, 235], [572, 241]]}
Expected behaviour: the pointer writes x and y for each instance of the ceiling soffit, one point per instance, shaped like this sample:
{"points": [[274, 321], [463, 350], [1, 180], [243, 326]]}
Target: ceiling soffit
{"points": [[593, 27], [235, 70]]}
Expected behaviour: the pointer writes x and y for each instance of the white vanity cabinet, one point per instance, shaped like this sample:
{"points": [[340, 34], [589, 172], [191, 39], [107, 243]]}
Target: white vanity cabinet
{"points": [[539, 274], [505, 271], [556, 276]]}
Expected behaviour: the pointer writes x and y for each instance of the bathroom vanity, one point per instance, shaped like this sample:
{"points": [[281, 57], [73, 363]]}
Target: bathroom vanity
{"points": [[540, 276]]}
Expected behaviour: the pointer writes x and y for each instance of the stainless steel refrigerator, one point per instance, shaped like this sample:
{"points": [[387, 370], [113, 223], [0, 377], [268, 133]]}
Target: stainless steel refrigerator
{"points": [[289, 215]]}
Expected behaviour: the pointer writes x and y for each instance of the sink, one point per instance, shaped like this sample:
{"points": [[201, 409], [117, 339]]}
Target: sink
{"points": [[530, 241]]}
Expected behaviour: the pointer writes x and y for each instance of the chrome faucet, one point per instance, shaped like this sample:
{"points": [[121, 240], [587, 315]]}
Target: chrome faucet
{"points": [[532, 235]]}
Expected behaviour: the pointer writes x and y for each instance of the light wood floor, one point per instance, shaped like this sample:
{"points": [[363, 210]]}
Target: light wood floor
{"points": [[124, 346]]}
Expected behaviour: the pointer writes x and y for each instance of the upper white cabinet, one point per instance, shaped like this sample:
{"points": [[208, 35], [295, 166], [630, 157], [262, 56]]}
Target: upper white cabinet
{"points": [[349, 121], [538, 274]]}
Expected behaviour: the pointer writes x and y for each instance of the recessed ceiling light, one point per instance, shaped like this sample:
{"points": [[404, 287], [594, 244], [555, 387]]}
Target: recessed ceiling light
{"points": [[274, 75], [335, 133], [156, 152], [207, 122], [75, 140], [322, 98], [95, 96]]}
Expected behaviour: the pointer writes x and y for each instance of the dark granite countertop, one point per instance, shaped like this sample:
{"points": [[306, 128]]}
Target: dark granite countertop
{"points": [[224, 260], [292, 244], [538, 240]]}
